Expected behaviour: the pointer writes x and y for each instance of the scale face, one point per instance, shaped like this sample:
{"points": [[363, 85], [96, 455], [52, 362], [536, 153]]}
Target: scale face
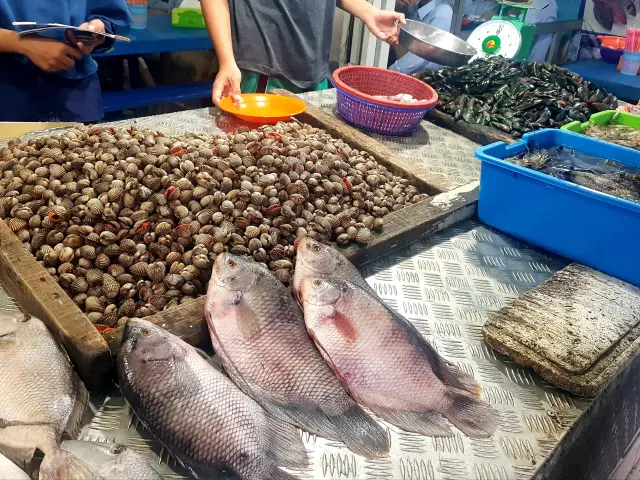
{"points": [[496, 37]]}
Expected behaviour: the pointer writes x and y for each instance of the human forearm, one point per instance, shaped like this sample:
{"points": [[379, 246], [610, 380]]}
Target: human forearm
{"points": [[358, 8], [217, 18], [9, 41]]}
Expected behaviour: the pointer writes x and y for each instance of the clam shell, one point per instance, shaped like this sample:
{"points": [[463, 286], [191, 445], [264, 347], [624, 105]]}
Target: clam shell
{"points": [[94, 304], [110, 286], [363, 235], [127, 308], [79, 285], [139, 269]]}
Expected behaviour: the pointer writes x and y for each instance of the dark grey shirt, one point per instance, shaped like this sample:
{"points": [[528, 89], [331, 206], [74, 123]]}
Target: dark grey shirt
{"points": [[284, 38]]}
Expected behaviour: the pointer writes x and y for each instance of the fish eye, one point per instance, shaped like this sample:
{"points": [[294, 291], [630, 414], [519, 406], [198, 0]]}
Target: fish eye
{"points": [[146, 332], [316, 248], [232, 263], [117, 450], [317, 282]]}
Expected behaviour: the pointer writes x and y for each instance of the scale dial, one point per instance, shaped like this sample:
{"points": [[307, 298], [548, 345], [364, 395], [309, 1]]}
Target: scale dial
{"points": [[496, 37]]}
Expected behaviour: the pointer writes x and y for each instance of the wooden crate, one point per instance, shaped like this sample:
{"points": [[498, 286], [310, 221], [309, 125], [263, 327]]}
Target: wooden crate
{"points": [[39, 294]]}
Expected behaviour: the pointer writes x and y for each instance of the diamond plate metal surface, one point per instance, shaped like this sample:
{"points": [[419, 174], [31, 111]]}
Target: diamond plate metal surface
{"points": [[447, 155], [445, 285]]}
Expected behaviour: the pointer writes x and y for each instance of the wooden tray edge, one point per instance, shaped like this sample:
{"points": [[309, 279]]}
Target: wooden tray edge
{"points": [[481, 134]]}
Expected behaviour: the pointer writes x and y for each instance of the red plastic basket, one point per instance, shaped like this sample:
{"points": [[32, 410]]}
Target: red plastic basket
{"points": [[356, 87]]}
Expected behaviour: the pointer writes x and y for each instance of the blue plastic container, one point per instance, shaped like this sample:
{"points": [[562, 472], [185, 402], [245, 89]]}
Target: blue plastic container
{"points": [[578, 223]]}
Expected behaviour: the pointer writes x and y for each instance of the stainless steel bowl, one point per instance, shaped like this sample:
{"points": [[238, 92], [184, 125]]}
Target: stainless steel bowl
{"points": [[434, 44]]}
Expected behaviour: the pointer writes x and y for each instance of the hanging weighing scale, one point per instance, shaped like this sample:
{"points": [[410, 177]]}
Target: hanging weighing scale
{"points": [[506, 34]]}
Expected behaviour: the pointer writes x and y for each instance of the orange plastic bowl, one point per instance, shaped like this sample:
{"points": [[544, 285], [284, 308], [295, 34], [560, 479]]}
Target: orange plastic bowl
{"points": [[612, 42], [264, 108]]}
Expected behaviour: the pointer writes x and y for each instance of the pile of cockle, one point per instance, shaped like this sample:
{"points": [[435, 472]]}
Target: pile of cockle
{"points": [[128, 221], [620, 134], [516, 97]]}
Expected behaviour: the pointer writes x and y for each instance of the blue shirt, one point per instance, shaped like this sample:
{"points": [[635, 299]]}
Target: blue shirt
{"points": [[113, 13], [437, 13]]}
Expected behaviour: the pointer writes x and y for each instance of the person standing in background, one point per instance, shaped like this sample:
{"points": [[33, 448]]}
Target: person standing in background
{"points": [[54, 78], [281, 43], [540, 11], [437, 13]]}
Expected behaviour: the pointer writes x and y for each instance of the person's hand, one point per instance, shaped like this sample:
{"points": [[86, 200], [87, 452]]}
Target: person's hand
{"points": [[95, 25], [405, 3], [49, 55], [382, 24], [227, 83]]}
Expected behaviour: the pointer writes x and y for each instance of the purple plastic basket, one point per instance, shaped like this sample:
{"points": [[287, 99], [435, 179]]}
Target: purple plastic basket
{"points": [[356, 86]]}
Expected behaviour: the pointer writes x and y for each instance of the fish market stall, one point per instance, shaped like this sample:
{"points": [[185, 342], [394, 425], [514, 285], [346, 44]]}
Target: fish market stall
{"points": [[446, 284]]}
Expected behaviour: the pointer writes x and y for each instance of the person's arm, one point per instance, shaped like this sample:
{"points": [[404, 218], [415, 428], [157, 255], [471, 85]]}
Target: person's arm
{"points": [[218, 20], [381, 23], [49, 55]]}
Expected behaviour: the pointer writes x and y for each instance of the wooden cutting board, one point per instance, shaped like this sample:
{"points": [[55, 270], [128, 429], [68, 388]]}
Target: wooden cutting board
{"points": [[575, 330]]}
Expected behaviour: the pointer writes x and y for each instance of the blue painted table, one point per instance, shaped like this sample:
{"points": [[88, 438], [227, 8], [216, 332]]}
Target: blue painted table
{"points": [[606, 75], [159, 37]]}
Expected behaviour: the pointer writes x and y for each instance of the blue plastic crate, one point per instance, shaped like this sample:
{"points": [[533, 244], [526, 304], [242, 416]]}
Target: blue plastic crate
{"points": [[578, 223]]}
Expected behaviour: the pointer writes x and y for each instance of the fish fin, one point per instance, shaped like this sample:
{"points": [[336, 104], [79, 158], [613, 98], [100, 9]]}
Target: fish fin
{"points": [[74, 422], [248, 321], [285, 445], [431, 424], [448, 373], [452, 377], [19, 442], [344, 325], [476, 418], [312, 420], [62, 465], [361, 433]]}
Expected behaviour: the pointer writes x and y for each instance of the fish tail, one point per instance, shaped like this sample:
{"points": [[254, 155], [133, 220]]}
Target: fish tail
{"points": [[285, 447], [474, 417], [428, 423], [74, 422], [361, 433]]}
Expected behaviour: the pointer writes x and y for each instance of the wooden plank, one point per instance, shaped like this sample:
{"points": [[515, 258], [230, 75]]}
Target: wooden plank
{"points": [[481, 134], [38, 294], [401, 229], [576, 330], [422, 178]]}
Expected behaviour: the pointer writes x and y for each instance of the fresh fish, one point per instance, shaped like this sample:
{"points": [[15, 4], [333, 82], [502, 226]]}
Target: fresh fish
{"points": [[76, 460], [387, 366], [10, 471], [41, 396], [249, 312], [318, 260], [198, 414]]}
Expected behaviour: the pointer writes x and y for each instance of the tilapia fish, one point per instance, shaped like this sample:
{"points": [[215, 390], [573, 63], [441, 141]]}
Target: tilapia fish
{"points": [[387, 366], [10, 471], [316, 259], [198, 414], [76, 460], [41, 396], [258, 331]]}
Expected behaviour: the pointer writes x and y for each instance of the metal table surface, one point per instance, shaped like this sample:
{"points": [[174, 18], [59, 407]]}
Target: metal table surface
{"points": [[445, 284]]}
